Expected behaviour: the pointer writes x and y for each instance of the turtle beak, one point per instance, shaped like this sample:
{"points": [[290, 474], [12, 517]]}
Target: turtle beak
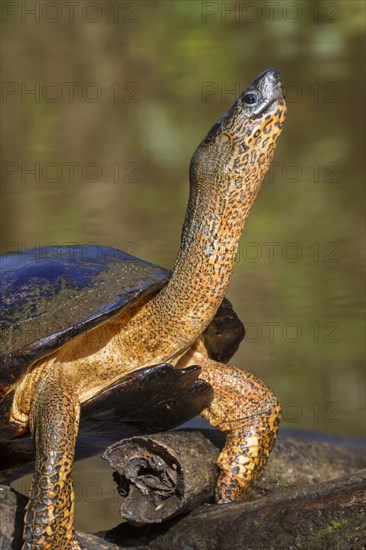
{"points": [[269, 85]]}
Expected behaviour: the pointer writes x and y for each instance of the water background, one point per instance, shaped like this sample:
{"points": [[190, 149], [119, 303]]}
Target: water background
{"points": [[98, 153]]}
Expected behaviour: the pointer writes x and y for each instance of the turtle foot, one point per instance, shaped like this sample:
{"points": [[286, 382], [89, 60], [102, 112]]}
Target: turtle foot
{"points": [[241, 462], [72, 543], [249, 413]]}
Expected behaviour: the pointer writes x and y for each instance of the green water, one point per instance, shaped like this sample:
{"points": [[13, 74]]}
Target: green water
{"points": [[99, 153]]}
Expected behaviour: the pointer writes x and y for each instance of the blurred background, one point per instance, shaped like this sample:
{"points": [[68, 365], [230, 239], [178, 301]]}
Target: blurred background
{"points": [[103, 105]]}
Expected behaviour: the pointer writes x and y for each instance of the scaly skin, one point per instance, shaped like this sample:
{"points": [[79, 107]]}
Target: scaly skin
{"points": [[48, 521], [248, 412], [226, 173]]}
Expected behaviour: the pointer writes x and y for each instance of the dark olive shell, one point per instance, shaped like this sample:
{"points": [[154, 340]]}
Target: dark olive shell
{"points": [[51, 294]]}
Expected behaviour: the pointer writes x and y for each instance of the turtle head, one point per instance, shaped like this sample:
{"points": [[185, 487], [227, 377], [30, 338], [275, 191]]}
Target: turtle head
{"points": [[236, 153]]}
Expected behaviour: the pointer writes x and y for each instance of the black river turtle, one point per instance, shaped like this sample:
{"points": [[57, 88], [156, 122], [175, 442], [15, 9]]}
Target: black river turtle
{"points": [[77, 327]]}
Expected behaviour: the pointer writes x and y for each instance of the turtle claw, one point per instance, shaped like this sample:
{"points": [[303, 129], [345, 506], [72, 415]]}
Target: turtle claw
{"points": [[69, 544], [75, 544]]}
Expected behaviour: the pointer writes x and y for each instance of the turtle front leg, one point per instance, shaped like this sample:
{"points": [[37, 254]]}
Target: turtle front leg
{"points": [[248, 411], [48, 521]]}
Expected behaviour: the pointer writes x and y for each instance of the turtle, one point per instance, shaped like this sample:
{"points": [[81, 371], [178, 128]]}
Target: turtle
{"points": [[77, 327]]}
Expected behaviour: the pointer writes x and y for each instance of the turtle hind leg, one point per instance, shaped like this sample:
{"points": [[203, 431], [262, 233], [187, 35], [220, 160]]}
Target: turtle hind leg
{"points": [[248, 411], [48, 521]]}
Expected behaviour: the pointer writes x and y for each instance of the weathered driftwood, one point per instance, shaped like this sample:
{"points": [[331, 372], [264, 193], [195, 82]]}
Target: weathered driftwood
{"points": [[162, 475], [302, 508], [329, 515], [166, 474]]}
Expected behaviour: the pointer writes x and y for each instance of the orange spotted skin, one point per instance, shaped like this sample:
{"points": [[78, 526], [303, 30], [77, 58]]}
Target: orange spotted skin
{"points": [[249, 413], [226, 173], [48, 521]]}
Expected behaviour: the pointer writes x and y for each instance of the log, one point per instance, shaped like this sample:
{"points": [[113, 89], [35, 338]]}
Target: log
{"points": [[326, 515], [167, 474], [162, 475], [298, 508]]}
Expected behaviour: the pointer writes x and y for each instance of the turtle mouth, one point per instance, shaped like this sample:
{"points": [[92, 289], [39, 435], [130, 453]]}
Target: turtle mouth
{"points": [[265, 106], [268, 85]]}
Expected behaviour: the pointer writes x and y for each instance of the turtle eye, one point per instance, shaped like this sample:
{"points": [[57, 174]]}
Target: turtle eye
{"points": [[250, 98]]}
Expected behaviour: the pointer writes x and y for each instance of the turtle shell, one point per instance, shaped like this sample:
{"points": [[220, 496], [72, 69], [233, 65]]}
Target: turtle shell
{"points": [[51, 294]]}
